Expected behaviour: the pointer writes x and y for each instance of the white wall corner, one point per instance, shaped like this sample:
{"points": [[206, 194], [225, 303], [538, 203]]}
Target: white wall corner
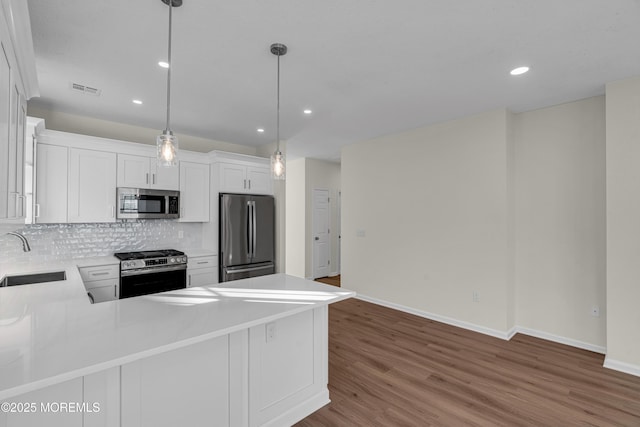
{"points": [[503, 335], [625, 367]]}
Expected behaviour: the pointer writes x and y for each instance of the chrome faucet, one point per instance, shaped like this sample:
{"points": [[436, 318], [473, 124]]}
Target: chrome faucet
{"points": [[25, 243]]}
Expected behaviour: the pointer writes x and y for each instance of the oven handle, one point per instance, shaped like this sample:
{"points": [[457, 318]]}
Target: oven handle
{"points": [[127, 273]]}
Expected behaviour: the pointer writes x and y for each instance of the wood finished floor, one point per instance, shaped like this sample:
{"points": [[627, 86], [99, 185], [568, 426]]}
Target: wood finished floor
{"points": [[389, 368], [331, 280]]}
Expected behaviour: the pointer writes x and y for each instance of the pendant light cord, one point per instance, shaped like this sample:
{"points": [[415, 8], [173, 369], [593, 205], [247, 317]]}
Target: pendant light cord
{"points": [[278, 110], [168, 129]]}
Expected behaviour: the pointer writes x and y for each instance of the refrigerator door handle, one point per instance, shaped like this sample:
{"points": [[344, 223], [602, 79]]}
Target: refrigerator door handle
{"points": [[249, 231], [255, 229]]}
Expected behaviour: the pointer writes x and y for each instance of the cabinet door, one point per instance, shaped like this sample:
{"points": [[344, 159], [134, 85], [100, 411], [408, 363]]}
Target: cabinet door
{"points": [[184, 387], [5, 117], [202, 276], [51, 184], [233, 178], [259, 180], [133, 171], [12, 171], [164, 177], [194, 192], [92, 186], [102, 290], [21, 111], [46, 403]]}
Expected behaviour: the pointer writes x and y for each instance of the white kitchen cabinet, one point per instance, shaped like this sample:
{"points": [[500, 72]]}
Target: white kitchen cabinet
{"points": [[92, 186], [44, 407], [101, 282], [202, 270], [102, 391], [12, 125], [242, 178], [17, 84], [144, 172], [194, 192], [184, 387], [52, 162]]}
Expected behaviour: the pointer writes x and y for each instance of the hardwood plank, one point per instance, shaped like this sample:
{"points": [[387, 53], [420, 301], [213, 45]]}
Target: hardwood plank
{"points": [[390, 368]]}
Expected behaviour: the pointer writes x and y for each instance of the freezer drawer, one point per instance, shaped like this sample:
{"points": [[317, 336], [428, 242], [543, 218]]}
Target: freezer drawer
{"points": [[228, 274]]}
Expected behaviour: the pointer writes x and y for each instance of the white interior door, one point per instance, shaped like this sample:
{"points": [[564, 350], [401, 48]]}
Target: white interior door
{"points": [[321, 233]]}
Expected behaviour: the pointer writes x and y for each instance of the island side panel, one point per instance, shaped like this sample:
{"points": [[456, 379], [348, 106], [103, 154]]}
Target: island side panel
{"points": [[288, 368]]}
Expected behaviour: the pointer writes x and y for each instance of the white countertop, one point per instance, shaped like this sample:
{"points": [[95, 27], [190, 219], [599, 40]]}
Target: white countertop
{"points": [[50, 333]]}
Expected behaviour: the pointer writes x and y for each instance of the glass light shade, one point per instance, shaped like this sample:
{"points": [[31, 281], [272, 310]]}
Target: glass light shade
{"points": [[167, 149], [277, 165]]}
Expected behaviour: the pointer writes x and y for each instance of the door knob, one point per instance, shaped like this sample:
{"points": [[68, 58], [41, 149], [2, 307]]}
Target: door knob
{"points": [[317, 238]]}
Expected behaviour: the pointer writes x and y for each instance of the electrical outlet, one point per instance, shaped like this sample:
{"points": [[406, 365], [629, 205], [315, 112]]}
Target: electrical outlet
{"points": [[476, 296], [180, 234], [595, 311], [270, 331]]}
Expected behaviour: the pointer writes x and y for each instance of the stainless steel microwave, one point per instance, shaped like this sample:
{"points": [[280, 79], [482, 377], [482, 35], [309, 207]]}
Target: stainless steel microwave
{"points": [[142, 203]]}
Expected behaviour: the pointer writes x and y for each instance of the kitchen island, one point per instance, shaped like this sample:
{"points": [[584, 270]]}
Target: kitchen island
{"points": [[247, 353]]}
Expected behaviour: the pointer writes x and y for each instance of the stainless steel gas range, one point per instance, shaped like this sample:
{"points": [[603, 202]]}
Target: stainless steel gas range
{"points": [[150, 272]]}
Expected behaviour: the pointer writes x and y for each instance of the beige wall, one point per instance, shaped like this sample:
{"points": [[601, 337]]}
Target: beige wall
{"points": [[623, 223], [65, 122], [296, 218], [424, 220], [560, 220], [509, 205]]}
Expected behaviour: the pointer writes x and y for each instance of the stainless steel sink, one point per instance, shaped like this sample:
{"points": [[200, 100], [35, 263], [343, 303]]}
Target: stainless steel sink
{"points": [[28, 279]]}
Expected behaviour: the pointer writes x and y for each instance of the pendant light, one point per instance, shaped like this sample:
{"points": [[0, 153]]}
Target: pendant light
{"points": [[167, 143], [277, 158]]}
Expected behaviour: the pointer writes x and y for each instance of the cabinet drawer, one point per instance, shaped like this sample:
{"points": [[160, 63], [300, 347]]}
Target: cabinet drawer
{"points": [[202, 262], [101, 272]]}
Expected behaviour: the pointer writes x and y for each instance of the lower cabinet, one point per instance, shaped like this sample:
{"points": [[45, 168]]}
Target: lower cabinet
{"points": [[184, 387], [271, 374], [42, 407], [202, 271], [101, 282]]}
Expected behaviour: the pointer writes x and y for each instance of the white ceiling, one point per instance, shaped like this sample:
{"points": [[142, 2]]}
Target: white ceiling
{"points": [[365, 67]]}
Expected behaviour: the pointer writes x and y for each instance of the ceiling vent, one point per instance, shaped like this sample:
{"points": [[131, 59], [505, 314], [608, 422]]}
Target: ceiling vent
{"points": [[85, 89]]}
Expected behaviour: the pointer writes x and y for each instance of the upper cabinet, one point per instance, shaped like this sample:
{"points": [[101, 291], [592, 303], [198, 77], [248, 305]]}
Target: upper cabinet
{"points": [[51, 184], [143, 172], [17, 84], [194, 192], [243, 174], [92, 186]]}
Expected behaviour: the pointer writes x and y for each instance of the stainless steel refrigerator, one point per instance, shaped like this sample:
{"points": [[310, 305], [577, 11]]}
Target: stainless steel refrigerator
{"points": [[247, 236]]}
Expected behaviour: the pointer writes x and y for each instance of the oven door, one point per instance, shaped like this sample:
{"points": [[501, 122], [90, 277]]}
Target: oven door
{"points": [[144, 282]]}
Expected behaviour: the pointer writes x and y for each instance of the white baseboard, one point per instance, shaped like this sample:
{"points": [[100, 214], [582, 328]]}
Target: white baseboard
{"points": [[561, 340], [438, 318], [487, 331], [625, 367]]}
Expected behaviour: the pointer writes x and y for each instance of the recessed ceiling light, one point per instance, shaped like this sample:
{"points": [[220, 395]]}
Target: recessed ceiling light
{"points": [[137, 101], [163, 64], [307, 111], [260, 130], [519, 70]]}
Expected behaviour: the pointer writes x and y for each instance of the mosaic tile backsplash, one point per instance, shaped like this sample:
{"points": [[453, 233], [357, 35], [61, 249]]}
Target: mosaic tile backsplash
{"points": [[55, 242]]}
